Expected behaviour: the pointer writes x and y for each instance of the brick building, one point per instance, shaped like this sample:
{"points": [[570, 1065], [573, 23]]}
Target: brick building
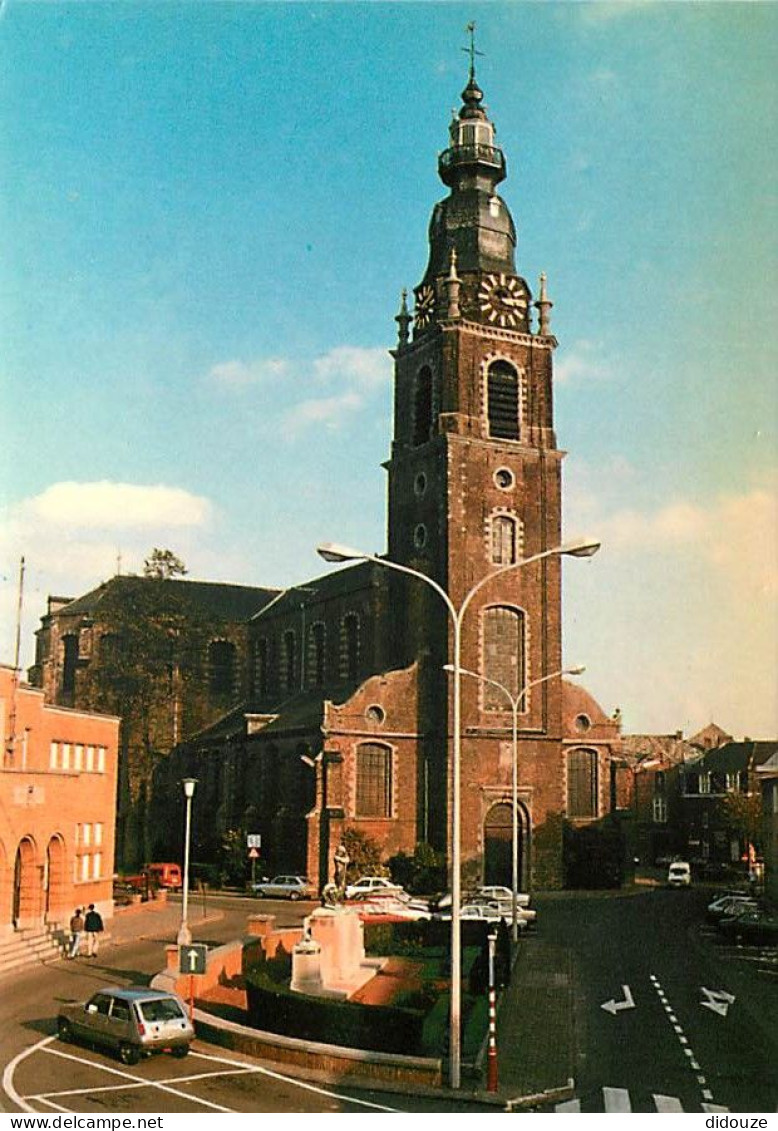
{"points": [[346, 715], [57, 808]]}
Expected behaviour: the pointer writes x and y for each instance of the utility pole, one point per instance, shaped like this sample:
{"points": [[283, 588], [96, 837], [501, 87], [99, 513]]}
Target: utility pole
{"points": [[11, 741]]}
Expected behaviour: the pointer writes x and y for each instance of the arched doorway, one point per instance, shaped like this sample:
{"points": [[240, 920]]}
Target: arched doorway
{"points": [[26, 882], [498, 844], [55, 879]]}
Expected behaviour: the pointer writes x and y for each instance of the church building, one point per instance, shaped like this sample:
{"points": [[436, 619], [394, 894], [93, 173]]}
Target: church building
{"points": [[343, 718]]}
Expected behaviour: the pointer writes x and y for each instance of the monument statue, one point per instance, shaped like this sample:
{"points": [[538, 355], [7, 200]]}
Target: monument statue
{"points": [[334, 892]]}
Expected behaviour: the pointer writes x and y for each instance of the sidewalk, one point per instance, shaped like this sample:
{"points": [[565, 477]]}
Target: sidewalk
{"points": [[535, 1021], [151, 921]]}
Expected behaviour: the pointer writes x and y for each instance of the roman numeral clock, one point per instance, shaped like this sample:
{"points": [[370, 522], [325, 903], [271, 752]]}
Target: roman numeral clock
{"points": [[503, 300]]}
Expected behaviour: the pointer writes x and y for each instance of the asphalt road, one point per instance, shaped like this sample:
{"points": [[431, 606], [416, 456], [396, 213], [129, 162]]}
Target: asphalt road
{"points": [[688, 1025], [43, 1074]]}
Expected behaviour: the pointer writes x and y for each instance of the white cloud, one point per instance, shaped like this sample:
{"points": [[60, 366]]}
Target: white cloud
{"points": [[241, 374], [118, 506], [582, 362], [326, 411], [597, 12], [364, 368]]}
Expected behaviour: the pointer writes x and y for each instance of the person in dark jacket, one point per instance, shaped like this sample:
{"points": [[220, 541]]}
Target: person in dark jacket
{"points": [[93, 925]]}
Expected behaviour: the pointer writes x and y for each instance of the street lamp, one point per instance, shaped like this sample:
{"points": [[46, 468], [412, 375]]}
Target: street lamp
{"points": [[335, 552], [516, 703], [184, 934]]}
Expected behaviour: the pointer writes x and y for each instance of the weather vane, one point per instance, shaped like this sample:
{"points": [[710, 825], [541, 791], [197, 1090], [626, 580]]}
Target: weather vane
{"points": [[471, 50]]}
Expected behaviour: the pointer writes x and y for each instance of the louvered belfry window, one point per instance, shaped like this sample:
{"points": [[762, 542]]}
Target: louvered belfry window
{"points": [[374, 780], [582, 783], [503, 401]]}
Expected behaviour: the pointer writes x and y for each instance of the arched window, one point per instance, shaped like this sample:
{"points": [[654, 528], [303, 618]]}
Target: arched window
{"points": [[374, 780], [349, 653], [504, 658], [505, 539], [316, 655], [221, 666], [290, 661], [582, 783], [503, 401], [260, 657], [422, 406]]}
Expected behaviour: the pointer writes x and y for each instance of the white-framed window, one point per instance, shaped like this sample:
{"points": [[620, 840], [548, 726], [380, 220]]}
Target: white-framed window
{"points": [[84, 867], [97, 863], [98, 833], [90, 759], [704, 783], [65, 755], [101, 759], [53, 755], [78, 757], [86, 835], [660, 809]]}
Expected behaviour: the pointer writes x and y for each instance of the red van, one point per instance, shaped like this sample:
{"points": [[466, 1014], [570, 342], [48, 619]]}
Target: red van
{"points": [[164, 875]]}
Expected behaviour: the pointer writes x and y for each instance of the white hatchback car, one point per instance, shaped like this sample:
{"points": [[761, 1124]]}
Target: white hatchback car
{"points": [[679, 874], [371, 885]]}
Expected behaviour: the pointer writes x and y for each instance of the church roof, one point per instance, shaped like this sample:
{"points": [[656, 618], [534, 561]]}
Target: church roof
{"points": [[213, 598], [737, 756]]}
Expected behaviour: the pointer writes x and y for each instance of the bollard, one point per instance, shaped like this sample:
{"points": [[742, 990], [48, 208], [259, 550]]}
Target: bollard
{"points": [[491, 1053]]}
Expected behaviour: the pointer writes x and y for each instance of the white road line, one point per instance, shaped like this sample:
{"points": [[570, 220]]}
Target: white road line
{"points": [[149, 1083], [128, 1087], [616, 1099], [710, 1108], [568, 1106], [10, 1069], [667, 1103]]}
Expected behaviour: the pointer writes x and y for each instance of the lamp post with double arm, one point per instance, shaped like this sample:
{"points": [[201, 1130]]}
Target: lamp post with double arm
{"points": [[516, 702], [333, 552]]}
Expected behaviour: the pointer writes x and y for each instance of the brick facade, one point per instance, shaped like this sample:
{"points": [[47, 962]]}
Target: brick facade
{"points": [[57, 808]]}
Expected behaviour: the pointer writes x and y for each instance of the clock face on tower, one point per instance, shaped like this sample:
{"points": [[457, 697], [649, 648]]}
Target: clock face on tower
{"points": [[425, 306], [503, 300]]}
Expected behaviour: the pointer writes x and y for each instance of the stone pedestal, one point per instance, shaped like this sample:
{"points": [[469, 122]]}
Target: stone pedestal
{"points": [[332, 954]]}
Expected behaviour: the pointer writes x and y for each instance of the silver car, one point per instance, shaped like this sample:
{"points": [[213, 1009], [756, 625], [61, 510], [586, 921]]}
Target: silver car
{"points": [[133, 1021], [285, 887]]}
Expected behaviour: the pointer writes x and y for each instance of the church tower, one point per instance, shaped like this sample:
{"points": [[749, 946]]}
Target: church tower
{"points": [[475, 484]]}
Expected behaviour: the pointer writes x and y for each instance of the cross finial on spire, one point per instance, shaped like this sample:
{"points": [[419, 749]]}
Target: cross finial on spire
{"points": [[471, 50]]}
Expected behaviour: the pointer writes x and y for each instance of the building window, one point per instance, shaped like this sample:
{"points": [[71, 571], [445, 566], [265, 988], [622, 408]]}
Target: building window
{"points": [[316, 655], [69, 663], [290, 660], [504, 479], [350, 647], [260, 674], [504, 539], [221, 665], [503, 401], [420, 536], [420, 484], [78, 757], [97, 864], [101, 759], [659, 809], [422, 406], [582, 783], [65, 755], [98, 833], [374, 780], [503, 655], [704, 780], [53, 755]]}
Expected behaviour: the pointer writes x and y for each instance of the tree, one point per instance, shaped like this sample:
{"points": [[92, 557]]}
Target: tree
{"points": [[364, 855], [162, 564], [741, 813]]}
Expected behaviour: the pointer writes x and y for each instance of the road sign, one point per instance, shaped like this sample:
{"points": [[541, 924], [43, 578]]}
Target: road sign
{"points": [[253, 840], [253, 854], [192, 958]]}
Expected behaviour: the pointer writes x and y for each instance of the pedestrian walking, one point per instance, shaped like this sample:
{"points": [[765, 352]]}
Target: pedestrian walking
{"points": [[76, 932], [93, 924]]}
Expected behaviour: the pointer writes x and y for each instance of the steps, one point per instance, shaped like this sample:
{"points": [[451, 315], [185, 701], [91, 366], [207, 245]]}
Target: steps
{"points": [[32, 945]]}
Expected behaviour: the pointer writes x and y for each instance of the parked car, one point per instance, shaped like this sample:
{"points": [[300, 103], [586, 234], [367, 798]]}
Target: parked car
{"points": [[753, 926], [729, 905], [386, 909], [285, 887], [495, 893], [486, 912], [679, 874], [368, 885], [134, 1022]]}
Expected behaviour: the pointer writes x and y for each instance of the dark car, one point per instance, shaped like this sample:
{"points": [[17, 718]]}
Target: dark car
{"points": [[753, 927], [134, 1021]]}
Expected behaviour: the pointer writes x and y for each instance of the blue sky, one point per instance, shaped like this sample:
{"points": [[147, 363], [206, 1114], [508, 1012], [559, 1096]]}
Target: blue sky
{"points": [[208, 211]]}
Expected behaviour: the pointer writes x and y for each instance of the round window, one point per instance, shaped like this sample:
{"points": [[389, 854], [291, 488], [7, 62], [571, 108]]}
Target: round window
{"points": [[420, 483], [375, 714], [504, 478], [420, 536], [582, 723]]}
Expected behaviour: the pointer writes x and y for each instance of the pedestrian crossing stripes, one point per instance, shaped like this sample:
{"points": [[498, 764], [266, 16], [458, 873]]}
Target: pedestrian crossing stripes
{"points": [[617, 1100]]}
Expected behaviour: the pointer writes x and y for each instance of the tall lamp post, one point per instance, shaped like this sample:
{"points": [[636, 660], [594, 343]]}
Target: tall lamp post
{"points": [[333, 552], [184, 934], [516, 702]]}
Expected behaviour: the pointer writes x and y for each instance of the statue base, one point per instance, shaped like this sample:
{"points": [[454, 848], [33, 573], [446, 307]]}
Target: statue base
{"points": [[330, 961]]}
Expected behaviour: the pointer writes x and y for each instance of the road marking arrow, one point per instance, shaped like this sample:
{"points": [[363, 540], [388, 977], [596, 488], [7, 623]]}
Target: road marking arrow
{"points": [[613, 1007], [718, 1001]]}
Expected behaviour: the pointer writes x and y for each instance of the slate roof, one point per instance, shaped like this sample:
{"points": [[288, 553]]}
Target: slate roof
{"points": [[208, 598], [737, 756]]}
